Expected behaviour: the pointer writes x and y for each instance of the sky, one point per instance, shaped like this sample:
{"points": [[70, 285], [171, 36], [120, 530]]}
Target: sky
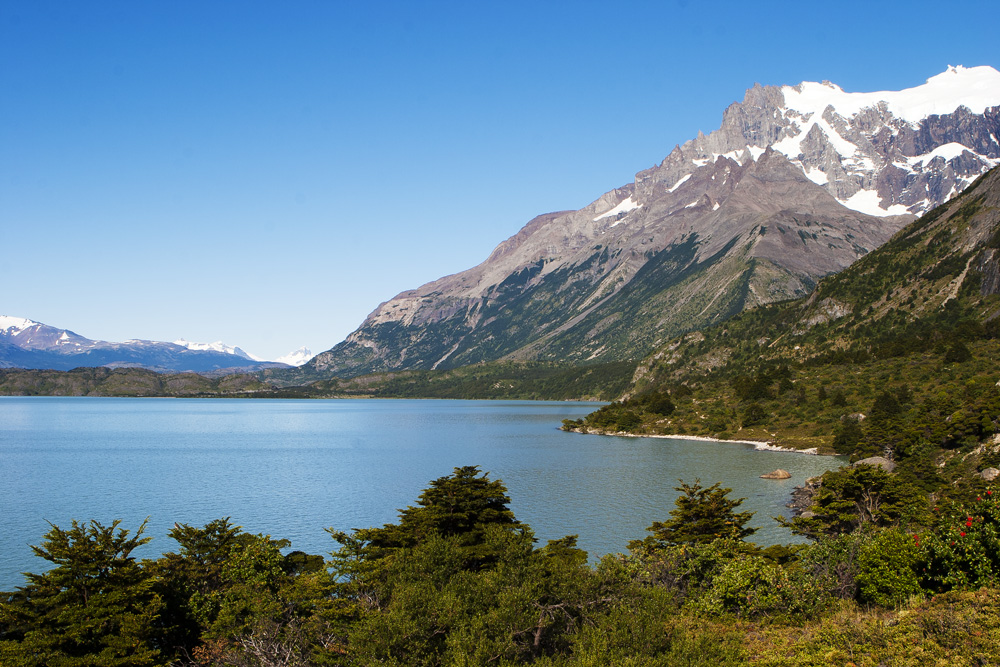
{"points": [[266, 173]]}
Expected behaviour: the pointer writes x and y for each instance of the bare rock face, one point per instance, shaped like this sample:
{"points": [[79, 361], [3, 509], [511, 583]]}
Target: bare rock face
{"points": [[797, 183], [990, 474], [777, 474], [879, 461]]}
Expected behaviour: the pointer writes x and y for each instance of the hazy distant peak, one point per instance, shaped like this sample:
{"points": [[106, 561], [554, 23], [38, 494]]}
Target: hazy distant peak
{"points": [[296, 358], [217, 346]]}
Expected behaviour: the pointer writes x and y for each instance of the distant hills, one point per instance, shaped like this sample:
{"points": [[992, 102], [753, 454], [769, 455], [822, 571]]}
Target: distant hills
{"points": [[796, 184], [28, 344]]}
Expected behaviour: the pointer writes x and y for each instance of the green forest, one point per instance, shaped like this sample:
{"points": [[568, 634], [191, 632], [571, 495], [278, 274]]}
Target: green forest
{"points": [[458, 580]]}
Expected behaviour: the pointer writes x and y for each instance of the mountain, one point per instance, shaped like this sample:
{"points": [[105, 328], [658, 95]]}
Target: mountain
{"points": [[796, 184], [217, 346], [898, 356], [25, 343], [936, 279], [296, 358]]}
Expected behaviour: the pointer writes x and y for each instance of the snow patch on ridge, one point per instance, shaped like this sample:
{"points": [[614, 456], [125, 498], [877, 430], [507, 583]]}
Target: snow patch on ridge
{"points": [[867, 201], [816, 176], [679, 183], [625, 206]]}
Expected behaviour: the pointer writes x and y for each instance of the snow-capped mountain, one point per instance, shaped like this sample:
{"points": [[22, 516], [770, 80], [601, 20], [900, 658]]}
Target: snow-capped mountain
{"points": [[883, 153], [798, 182], [25, 343], [217, 346], [296, 358]]}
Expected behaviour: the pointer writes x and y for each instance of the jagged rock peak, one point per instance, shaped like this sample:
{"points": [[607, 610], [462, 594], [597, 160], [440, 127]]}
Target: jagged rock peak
{"points": [[882, 153]]}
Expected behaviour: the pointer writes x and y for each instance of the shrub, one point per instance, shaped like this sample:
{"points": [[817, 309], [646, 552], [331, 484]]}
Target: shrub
{"points": [[886, 568], [964, 550]]}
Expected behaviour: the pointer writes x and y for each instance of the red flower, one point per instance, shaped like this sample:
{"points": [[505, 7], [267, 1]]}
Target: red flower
{"points": [[961, 534]]}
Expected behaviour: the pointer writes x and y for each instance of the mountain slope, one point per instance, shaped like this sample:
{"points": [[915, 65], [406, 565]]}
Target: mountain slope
{"points": [[796, 184], [938, 273], [896, 356]]}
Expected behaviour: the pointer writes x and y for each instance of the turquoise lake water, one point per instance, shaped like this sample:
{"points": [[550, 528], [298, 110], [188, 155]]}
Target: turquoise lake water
{"points": [[291, 468]]}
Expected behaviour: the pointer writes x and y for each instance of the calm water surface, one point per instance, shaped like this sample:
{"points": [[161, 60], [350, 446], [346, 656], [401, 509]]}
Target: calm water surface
{"points": [[291, 468]]}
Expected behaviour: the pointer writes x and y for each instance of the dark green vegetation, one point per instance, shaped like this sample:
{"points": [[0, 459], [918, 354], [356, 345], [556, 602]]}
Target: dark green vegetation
{"points": [[123, 382], [500, 380], [458, 580]]}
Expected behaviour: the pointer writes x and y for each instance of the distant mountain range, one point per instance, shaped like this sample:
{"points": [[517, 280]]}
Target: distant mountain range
{"points": [[796, 184], [25, 343]]}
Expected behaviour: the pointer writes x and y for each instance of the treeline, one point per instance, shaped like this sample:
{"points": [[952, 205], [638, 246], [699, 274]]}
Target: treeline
{"points": [[124, 382], [458, 580], [498, 380]]}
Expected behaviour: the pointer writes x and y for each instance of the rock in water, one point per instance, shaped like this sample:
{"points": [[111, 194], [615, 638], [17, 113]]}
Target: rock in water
{"points": [[777, 474]]}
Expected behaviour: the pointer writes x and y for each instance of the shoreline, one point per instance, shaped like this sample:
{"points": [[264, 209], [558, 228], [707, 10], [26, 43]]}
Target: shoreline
{"points": [[761, 446]]}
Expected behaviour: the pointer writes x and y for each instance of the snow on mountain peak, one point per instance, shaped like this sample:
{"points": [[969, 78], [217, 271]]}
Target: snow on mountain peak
{"points": [[975, 88], [296, 358], [15, 325], [217, 346]]}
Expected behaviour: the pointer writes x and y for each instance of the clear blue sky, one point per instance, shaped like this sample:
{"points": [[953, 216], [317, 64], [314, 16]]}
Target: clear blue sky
{"points": [[266, 173]]}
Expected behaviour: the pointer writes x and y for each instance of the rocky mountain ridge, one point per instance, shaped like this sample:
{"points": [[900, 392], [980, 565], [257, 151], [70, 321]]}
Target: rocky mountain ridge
{"points": [[792, 187]]}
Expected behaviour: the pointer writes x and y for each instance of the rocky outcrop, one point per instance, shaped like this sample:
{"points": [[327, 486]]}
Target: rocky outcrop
{"points": [[797, 183], [879, 461], [777, 474], [802, 496]]}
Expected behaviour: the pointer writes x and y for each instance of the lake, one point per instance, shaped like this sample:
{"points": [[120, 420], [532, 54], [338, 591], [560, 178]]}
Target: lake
{"points": [[291, 468]]}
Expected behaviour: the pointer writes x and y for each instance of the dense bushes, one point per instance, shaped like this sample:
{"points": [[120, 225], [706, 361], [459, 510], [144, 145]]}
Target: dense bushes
{"points": [[459, 581]]}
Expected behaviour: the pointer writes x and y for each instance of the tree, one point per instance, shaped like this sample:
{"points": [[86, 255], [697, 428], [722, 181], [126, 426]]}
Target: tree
{"points": [[188, 580], [958, 353], [460, 505], [96, 606], [703, 514], [853, 497]]}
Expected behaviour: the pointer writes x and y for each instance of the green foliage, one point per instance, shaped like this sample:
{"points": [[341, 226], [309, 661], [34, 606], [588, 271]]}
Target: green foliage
{"points": [[854, 497], [964, 550], [957, 353], [753, 414], [678, 597], [887, 567], [96, 606], [703, 514], [461, 505], [754, 587]]}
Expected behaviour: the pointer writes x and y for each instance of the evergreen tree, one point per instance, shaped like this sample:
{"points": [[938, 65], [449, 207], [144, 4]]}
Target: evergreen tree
{"points": [[461, 505], [96, 606], [703, 514], [189, 581]]}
